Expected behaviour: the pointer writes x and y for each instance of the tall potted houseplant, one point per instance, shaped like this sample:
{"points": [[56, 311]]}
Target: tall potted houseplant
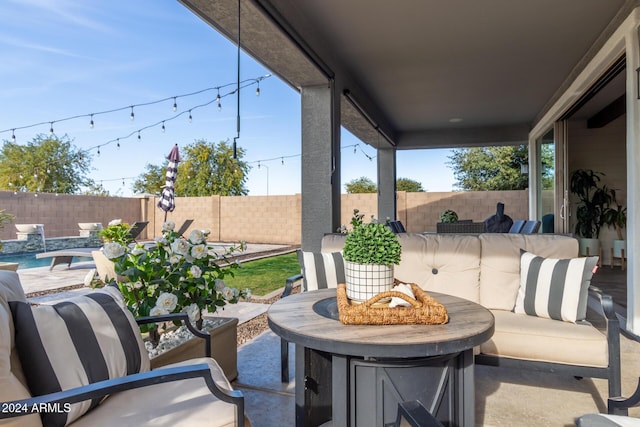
{"points": [[593, 200], [616, 216], [6, 218], [370, 252]]}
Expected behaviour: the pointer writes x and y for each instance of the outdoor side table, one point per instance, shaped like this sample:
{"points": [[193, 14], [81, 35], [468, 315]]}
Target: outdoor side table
{"points": [[355, 375]]}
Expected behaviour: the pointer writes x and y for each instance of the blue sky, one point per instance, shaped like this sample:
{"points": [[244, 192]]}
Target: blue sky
{"points": [[64, 58]]}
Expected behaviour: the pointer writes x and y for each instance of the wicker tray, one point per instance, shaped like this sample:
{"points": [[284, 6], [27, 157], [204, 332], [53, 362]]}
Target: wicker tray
{"points": [[424, 310]]}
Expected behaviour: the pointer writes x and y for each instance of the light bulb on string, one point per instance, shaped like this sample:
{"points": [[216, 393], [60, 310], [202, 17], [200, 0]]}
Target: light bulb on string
{"points": [[163, 128], [91, 122], [13, 135], [132, 116], [51, 129], [139, 136], [123, 182], [175, 104], [98, 151], [190, 117], [218, 99], [355, 149], [118, 143], [282, 161], [258, 89]]}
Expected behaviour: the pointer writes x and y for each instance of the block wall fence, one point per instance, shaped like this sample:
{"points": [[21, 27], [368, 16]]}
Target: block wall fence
{"points": [[255, 219]]}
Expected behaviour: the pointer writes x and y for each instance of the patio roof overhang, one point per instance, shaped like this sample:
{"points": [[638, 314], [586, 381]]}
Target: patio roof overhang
{"points": [[428, 74]]}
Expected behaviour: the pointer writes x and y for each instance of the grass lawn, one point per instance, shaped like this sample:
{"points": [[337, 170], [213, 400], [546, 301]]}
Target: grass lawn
{"points": [[264, 275]]}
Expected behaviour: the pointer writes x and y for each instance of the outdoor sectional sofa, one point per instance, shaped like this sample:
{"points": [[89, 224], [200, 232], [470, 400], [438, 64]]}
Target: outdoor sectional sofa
{"points": [[485, 268]]}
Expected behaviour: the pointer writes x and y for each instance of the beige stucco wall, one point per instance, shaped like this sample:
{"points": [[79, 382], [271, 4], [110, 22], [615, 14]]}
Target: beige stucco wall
{"points": [[256, 219]]}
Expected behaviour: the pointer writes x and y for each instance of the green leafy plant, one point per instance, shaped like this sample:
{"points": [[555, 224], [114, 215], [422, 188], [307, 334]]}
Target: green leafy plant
{"points": [[175, 275], [117, 232], [615, 215], [371, 243], [593, 200], [448, 216]]}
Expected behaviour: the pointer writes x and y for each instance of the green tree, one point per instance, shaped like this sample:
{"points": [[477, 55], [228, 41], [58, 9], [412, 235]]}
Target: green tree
{"points": [[408, 185], [206, 169], [361, 185], [497, 168], [152, 180], [95, 189], [46, 164]]}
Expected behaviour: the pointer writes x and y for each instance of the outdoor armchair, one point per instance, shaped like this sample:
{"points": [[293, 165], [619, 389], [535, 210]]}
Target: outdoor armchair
{"points": [[86, 364], [618, 409]]}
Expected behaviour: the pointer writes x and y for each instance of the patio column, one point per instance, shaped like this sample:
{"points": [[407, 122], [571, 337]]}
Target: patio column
{"points": [[632, 41], [320, 164], [387, 183]]}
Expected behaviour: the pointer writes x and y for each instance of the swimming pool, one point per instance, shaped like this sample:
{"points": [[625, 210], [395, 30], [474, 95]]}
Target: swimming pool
{"points": [[29, 260]]}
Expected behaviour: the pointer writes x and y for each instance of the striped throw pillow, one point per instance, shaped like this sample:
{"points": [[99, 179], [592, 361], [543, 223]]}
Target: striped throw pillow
{"points": [[321, 270], [77, 342], [554, 288]]}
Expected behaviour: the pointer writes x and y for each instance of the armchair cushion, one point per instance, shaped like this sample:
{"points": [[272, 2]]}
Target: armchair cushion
{"points": [[554, 288], [77, 342]]}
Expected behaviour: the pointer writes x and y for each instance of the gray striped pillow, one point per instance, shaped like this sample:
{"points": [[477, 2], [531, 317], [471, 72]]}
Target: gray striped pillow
{"points": [[321, 270], [554, 288], [77, 342]]}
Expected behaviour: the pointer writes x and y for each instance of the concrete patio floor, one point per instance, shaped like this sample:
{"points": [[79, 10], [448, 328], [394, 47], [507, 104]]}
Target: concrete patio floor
{"points": [[504, 397]]}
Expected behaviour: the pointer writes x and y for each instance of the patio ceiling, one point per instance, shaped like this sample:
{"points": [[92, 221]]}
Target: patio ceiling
{"points": [[429, 73]]}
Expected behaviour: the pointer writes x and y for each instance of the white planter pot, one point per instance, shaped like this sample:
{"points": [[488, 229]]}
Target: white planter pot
{"points": [[589, 247], [364, 281], [618, 247]]}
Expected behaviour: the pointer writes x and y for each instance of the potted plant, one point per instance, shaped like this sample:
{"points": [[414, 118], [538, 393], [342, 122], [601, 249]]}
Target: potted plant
{"points": [[5, 218], [448, 216], [616, 216], [593, 200], [370, 252]]}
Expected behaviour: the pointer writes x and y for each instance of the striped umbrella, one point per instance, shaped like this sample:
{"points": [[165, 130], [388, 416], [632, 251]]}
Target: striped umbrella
{"points": [[167, 200]]}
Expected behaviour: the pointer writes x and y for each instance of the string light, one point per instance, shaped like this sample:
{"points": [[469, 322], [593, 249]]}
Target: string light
{"points": [[175, 104], [219, 103], [139, 136], [91, 122], [258, 90], [163, 128], [190, 117], [118, 144], [51, 129], [98, 151], [132, 116], [13, 135]]}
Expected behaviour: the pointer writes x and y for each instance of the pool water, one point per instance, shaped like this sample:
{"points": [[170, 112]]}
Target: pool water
{"points": [[29, 260]]}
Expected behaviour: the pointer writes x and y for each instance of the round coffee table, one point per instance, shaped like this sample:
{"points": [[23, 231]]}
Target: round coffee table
{"points": [[356, 374]]}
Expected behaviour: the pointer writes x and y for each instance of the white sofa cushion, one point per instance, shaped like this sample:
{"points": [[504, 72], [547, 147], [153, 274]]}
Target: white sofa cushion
{"points": [[554, 288], [445, 263], [77, 342], [500, 263], [546, 340], [182, 403]]}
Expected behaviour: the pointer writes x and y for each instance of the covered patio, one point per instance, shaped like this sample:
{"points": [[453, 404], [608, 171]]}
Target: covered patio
{"points": [[431, 74]]}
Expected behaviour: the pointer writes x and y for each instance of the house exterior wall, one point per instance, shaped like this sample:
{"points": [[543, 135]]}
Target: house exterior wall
{"points": [[256, 219]]}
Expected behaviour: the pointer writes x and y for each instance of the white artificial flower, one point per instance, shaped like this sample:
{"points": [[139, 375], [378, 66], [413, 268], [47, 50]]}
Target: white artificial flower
{"points": [[161, 241], [158, 311], [168, 226], [199, 251], [220, 285], [196, 272], [196, 237], [174, 259], [249, 293], [115, 222], [227, 293], [138, 250], [113, 250], [206, 232], [193, 311], [167, 301], [181, 247]]}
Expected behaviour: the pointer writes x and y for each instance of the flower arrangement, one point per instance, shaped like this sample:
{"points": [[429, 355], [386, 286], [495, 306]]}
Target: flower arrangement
{"points": [[174, 274], [371, 243]]}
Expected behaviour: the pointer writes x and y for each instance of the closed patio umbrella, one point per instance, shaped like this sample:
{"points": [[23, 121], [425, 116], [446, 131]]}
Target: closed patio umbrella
{"points": [[167, 200]]}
